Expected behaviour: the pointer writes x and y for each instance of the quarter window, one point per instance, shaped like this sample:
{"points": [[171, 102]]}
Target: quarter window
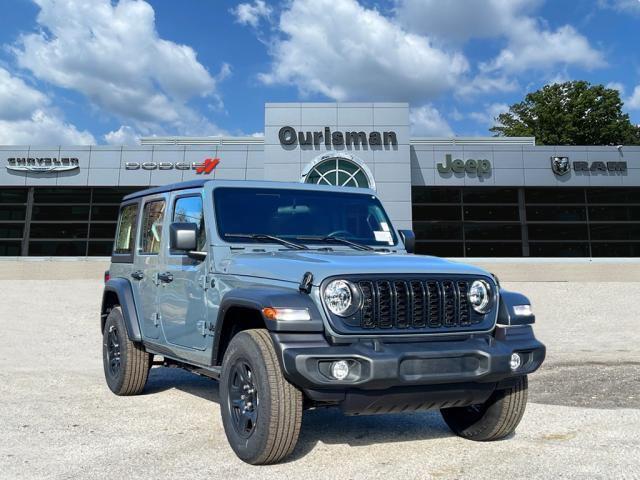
{"points": [[189, 210], [151, 231], [126, 229]]}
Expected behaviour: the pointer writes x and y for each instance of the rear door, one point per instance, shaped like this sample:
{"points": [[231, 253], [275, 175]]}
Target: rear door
{"points": [[182, 299], [147, 263]]}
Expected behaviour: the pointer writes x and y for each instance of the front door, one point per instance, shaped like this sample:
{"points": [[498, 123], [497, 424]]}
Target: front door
{"points": [[147, 263], [182, 299]]}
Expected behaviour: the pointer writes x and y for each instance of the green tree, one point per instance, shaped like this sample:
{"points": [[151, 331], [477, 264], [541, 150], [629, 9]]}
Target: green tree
{"points": [[570, 113]]}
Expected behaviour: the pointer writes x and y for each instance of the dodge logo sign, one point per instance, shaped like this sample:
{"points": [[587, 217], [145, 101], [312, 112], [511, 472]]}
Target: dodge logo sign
{"points": [[560, 165]]}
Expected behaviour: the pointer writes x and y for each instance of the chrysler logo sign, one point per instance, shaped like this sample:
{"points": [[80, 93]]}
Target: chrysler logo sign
{"points": [[42, 164]]}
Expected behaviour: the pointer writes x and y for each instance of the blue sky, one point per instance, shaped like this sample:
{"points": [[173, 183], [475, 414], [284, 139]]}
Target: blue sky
{"points": [[100, 71]]}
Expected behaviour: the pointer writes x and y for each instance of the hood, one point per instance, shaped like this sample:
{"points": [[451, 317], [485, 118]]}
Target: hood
{"points": [[291, 265]]}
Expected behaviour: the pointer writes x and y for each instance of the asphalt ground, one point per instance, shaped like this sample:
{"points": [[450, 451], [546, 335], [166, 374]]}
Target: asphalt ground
{"points": [[59, 420]]}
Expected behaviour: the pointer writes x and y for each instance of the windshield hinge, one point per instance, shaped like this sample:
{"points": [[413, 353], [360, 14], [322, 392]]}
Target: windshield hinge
{"points": [[306, 283], [207, 281]]}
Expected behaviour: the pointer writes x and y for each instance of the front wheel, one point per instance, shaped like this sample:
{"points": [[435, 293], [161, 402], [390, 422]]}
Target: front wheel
{"points": [[492, 420], [261, 411]]}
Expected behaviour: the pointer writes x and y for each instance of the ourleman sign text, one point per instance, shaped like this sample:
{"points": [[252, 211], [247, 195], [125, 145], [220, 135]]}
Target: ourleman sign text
{"points": [[289, 136]]}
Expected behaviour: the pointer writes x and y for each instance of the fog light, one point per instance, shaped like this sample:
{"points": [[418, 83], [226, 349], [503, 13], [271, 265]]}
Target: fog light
{"points": [[340, 369], [516, 361]]}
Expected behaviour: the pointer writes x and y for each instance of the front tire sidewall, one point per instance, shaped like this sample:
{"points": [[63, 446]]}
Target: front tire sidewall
{"points": [[114, 321], [248, 449]]}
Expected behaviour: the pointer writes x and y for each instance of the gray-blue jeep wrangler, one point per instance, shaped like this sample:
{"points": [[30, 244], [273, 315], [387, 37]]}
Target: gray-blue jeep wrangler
{"points": [[300, 296]]}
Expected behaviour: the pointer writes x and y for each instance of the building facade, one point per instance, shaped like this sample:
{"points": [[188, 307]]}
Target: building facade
{"points": [[473, 197]]}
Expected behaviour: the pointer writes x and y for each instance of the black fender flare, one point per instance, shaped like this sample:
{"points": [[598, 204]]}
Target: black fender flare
{"points": [[260, 297], [506, 313], [121, 287]]}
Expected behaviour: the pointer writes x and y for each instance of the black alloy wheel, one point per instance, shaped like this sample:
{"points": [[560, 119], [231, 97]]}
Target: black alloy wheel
{"points": [[243, 398]]}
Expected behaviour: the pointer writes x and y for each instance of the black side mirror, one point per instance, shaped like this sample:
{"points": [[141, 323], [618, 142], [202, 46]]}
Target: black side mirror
{"points": [[409, 240], [183, 236]]}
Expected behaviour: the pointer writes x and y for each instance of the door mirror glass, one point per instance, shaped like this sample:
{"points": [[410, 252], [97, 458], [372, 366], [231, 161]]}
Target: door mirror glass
{"points": [[183, 236]]}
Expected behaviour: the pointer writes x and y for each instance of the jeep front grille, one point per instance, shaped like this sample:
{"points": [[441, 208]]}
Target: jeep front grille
{"points": [[429, 305]]}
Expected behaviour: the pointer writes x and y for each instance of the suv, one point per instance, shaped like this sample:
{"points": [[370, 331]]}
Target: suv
{"points": [[299, 296]]}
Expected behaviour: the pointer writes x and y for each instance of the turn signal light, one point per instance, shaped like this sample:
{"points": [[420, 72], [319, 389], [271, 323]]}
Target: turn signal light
{"points": [[286, 314]]}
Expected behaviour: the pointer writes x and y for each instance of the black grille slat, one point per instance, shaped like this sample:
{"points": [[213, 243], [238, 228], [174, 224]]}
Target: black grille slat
{"points": [[463, 304], [434, 304], [385, 307], [419, 300], [368, 319], [449, 303], [401, 290]]}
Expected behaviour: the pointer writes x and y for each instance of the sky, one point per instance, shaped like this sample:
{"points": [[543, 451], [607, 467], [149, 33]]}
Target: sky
{"points": [[108, 71]]}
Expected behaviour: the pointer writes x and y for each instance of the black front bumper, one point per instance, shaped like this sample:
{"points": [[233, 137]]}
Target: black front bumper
{"points": [[449, 369]]}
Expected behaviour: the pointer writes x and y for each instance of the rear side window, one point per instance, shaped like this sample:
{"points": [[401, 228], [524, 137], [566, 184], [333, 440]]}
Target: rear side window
{"points": [[125, 237], [151, 231], [189, 210]]}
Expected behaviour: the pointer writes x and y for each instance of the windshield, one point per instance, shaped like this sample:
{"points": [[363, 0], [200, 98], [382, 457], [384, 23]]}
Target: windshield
{"points": [[297, 215]]}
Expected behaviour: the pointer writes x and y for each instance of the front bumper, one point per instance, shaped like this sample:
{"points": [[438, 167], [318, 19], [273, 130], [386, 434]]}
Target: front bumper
{"points": [[380, 364]]}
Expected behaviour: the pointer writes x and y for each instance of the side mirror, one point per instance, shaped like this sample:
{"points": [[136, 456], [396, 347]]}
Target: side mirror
{"points": [[409, 240], [183, 236]]}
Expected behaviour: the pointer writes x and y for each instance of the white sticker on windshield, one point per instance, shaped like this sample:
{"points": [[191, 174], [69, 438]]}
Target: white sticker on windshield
{"points": [[383, 237], [384, 226]]}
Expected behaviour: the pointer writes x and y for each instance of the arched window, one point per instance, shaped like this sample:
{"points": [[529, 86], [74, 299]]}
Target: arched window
{"points": [[339, 171]]}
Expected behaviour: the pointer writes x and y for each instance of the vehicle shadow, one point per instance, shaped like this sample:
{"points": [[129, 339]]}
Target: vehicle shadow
{"points": [[325, 425]]}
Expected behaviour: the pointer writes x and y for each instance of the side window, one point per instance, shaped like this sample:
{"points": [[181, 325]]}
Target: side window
{"points": [[151, 231], [126, 230], [189, 210]]}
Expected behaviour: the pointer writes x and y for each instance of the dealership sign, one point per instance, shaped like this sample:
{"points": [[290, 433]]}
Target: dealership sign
{"points": [[42, 164], [562, 166], [470, 166], [205, 167], [288, 136]]}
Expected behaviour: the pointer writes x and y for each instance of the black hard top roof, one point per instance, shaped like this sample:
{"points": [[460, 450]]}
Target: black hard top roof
{"points": [[166, 188]]}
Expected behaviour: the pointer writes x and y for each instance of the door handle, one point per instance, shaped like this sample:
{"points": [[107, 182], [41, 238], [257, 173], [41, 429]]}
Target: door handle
{"points": [[137, 275], [165, 277]]}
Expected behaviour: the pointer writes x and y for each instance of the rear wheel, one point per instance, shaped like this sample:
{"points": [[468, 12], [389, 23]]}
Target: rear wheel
{"points": [[126, 364], [492, 420], [261, 411]]}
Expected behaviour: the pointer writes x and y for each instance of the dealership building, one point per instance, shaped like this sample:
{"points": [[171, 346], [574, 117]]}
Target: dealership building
{"points": [[463, 197]]}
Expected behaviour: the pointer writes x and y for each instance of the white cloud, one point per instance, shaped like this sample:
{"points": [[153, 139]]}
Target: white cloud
{"points": [[488, 117], [623, 6], [633, 102], [616, 86], [484, 84], [113, 55], [42, 128], [532, 48], [125, 135], [461, 20], [529, 43], [251, 14], [345, 51], [17, 99], [427, 121], [26, 117]]}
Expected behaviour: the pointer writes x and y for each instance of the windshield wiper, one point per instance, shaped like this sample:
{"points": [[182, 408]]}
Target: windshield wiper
{"points": [[262, 236], [344, 241]]}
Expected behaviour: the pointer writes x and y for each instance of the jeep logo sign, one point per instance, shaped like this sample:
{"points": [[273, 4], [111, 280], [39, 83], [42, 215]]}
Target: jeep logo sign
{"points": [[470, 166]]}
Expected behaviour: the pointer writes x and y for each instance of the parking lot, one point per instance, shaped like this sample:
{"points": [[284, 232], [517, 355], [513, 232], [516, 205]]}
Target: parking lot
{"points": [[59, 420]]}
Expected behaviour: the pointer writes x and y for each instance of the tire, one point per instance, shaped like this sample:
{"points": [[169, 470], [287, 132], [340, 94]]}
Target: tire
{"points": [[263, 425], [126, 364], [492, 420]]}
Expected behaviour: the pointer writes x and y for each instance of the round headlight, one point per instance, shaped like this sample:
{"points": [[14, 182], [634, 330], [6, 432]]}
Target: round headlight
{"points": [[340, 297], [480, 296]]}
